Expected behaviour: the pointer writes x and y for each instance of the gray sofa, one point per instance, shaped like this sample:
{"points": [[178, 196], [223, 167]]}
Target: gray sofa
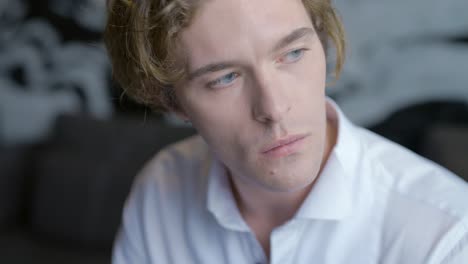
{"points": [[61, 200]]}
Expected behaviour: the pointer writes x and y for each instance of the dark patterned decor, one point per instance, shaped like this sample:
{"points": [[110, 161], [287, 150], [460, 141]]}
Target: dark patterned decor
{"points": [[51, 62]]}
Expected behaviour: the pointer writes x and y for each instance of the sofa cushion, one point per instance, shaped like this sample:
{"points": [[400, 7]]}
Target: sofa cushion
{"points": [[447, 144], [85, 173], [13, 166], [408, 125], [21, 247]]}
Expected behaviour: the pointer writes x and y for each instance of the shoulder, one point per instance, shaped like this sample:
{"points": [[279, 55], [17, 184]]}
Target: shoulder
{"points": [[173, 181], [407, 174], [177, 156], [166, 193], [178, 166], [423, 204], [413, 178], [171, 185]]}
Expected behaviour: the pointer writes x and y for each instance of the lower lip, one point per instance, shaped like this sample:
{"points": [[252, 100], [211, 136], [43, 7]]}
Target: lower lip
{"points": [[285, 150]]}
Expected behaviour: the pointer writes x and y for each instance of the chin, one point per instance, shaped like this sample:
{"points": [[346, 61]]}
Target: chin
{"points": [[297, 173], [285, 181]]}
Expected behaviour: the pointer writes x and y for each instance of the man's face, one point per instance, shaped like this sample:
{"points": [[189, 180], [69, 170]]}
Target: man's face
{"points": [[256, 89]]}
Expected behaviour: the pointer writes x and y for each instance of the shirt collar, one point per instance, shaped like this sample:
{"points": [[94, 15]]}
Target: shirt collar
{"points": [[220, 199], [331, 197]]}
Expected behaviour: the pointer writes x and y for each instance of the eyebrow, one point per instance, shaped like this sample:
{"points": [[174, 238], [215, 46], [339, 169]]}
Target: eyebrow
{"points": [[294, 36], [283, 42], [212, 67]]}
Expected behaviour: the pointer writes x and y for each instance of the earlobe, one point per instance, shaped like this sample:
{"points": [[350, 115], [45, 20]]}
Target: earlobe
{"points": [[174, 106], [180, 113], [178, 117]]}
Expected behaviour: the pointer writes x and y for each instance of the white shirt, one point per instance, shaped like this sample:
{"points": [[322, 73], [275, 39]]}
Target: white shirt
{"points": [[374, 202]]}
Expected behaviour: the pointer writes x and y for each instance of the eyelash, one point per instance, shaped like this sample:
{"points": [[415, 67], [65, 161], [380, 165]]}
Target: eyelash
{"points": [[213, 83], [302, 50], [216, 81]]}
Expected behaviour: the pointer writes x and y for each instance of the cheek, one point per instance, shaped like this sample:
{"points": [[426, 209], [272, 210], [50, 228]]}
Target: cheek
{"points": [[214, 114], [309, 98], [220, 121], [309, 74], [315, 72], [309, 87], [217, 109]]}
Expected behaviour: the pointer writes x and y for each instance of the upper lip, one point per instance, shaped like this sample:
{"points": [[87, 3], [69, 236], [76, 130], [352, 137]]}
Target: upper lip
{"points": [[283, 141]]}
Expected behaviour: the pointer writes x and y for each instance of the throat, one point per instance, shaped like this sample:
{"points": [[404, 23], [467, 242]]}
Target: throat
{"points": [[265, 211], [266, 207], [262, 230]]}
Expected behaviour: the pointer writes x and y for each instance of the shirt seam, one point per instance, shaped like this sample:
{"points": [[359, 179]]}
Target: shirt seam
{"points": [[447, 251], [445, 210]]}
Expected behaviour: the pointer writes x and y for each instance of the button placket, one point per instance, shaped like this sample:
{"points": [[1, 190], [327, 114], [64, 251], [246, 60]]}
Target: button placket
{"points": [[283, 242], [256, 249]]}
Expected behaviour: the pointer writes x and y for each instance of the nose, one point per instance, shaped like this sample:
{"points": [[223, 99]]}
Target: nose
{"points": [[271, 102]]}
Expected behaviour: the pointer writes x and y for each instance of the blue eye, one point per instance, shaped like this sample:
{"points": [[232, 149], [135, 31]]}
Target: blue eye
{"points": [[224, 80], [293, 56]]}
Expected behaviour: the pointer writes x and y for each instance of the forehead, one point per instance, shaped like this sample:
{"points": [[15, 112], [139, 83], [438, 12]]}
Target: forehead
{"points": [[232, 29]]}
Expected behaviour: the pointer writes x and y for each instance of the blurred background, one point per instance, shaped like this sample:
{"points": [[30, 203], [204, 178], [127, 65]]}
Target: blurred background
{"points": [[70, 143]]}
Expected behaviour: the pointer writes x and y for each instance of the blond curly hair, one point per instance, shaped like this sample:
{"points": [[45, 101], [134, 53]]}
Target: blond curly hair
{"points": [[140, 37]]}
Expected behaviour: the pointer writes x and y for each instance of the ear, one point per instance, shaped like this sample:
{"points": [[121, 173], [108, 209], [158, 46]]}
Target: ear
{"points": [[179, 112], [172, 103], [181, 115]]}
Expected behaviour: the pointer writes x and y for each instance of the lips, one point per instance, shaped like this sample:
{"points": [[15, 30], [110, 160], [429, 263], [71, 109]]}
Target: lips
{"points": [[284, 146]]}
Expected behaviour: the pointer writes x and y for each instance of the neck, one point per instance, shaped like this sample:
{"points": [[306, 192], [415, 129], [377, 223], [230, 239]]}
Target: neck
{"points": [[271, 208]]}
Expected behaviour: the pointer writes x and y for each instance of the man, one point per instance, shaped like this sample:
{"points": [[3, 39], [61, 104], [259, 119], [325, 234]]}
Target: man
{"points": [[278, 174]]}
